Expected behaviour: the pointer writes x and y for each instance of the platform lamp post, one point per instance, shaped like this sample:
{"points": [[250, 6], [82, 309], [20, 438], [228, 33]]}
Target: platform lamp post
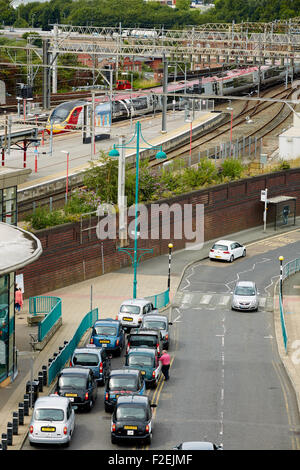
{"points": [[114, 153], [67, 176], [229, 108]]}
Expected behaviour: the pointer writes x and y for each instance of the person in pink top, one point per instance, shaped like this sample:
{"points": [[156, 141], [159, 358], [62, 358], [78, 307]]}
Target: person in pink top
{"points": [[18, 299], [165, 364]]}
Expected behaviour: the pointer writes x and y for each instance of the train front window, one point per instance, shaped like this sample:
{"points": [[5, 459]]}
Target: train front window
{"points": [[62, 111]]}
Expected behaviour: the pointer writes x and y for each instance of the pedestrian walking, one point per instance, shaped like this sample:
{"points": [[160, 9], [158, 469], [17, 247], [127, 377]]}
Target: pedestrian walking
{"points": [[18, 299], [165, 362]]}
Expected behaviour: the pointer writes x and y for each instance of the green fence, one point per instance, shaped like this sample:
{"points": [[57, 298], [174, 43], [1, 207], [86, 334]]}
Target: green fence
{"points": [[160, 300], [282, 321], [64, 356], [49, 321], [44, 304], [287, 270]]}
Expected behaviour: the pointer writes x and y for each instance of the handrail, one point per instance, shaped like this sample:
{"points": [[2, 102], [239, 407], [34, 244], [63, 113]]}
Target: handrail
{"points": [[160, 300], [288, 270]]}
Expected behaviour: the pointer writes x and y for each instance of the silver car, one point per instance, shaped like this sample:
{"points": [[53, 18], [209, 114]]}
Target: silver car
{"points": [[52, 422], [245, 296], [160, 322]]}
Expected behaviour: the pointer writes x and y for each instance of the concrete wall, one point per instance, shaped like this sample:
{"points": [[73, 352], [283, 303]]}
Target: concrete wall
{"points": [[228, 208]]}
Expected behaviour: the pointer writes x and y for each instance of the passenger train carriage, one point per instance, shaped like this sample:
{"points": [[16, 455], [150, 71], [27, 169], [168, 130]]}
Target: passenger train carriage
{"points": [[69, 115]]}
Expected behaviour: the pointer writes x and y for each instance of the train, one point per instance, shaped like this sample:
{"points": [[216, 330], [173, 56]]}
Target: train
{"points": [[69, 115]]}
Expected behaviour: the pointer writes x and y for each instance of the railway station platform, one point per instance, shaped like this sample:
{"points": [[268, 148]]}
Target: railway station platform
{"points": [[109, 290], [49, 169]]}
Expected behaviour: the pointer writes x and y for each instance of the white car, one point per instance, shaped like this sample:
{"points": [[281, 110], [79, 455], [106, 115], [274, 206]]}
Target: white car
{"points": [[227, 250], [52, 422], [132, 311]]}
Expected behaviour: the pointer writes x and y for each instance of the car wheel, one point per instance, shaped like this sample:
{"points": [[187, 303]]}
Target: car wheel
{"points": [[231, 259], [90, 405], [244, 253], [107, 408], [149, 439], [113, 440]]}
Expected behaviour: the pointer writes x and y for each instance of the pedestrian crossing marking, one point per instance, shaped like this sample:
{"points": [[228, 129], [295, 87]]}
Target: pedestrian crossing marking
{"points": [[210, 301], [206, 299]]}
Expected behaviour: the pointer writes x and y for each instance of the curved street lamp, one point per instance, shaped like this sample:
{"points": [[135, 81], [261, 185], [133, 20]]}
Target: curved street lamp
{"points": [[114, 153]]}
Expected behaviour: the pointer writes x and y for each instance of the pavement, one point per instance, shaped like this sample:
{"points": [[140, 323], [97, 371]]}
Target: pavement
{"points": [[109, 290]]}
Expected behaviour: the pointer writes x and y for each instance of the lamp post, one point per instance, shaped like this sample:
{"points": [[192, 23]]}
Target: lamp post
{"points": [[281, 258], [67, 178], [159, 155], [231, 122], [170, 246]]}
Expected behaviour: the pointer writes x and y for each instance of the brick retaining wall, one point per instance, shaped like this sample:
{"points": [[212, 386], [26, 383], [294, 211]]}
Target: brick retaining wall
{"points": [[228, 208]]}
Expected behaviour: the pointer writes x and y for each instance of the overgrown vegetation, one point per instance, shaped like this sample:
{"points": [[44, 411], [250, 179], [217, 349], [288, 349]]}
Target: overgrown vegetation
{"points": [[101, 186]]}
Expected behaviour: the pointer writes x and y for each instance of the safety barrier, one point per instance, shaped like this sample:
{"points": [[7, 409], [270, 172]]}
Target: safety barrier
{"points": [[43, 304], [288, 270], [65, 354], [49, 320], [160, 300]]}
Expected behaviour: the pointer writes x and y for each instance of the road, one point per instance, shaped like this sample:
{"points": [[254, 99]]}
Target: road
{"points": [[227, 383]]}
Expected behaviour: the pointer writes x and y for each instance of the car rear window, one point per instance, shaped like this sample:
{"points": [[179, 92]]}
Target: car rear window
{"points": [[131, 411], [161, 325], [105, 330], [220, 247], [49, 414], [130, 309], [143, 340], [139, 359], [123, 383], [72, 381], [85, 359]]}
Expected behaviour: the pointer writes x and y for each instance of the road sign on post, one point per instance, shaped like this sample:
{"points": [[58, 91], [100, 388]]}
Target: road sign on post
{"points": [[264, 198]]}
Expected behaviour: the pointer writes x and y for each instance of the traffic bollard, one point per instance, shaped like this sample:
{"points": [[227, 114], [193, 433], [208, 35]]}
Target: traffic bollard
{"points": [[9, 434], [15, 423], [44, 370], [26, 405], [40, 379], [21, 414], [4, 441]]}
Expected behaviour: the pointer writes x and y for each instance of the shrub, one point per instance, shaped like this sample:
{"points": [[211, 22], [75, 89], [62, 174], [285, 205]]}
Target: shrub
{"points": [[232, 168]]}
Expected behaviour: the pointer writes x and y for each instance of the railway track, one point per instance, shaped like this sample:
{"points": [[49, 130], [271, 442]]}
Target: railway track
{"points": [[239, 125]]}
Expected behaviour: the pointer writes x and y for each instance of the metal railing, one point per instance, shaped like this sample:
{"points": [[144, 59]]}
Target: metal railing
{"points": [[160, 300], [288, 270], [51, 306], [61, 359], [49, 321], [42, 304]]}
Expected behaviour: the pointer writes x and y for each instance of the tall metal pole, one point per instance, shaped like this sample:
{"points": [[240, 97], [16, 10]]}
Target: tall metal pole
{"points": [[164, 98], [121, 191], [170, 257], [54, 65], [281, 258], [136, 208]]}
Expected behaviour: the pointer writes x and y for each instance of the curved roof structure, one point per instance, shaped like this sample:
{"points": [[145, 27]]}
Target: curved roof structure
{"points": [[17, 247]]}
